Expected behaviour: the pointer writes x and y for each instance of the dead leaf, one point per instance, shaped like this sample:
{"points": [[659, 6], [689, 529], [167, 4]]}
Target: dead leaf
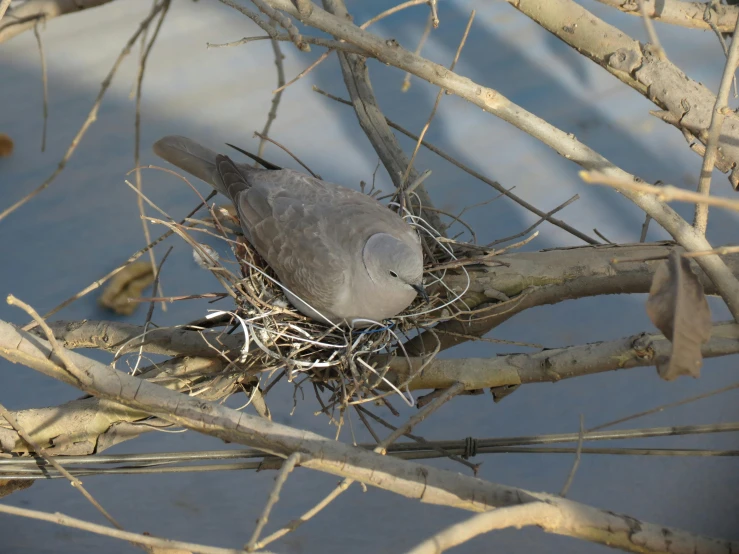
{"points": [[678, 307], [6, 145], [127, 283]]}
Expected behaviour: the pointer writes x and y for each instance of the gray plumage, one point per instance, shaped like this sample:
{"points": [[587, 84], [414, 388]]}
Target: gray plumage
{"points": [[340, 255]]}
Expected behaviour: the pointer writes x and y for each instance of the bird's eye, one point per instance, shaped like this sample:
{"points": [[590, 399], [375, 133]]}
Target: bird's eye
{"points": [[393, 274]]}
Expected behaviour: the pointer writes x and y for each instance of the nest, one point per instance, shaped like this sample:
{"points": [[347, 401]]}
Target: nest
{"points": [[279, 342]]}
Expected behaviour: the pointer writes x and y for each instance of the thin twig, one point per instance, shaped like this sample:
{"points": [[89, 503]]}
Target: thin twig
{"points": [[700, 221], [137, 142], [284, 37], [56, 348], [391, 11], [45, 84], [276, 97], [576, 463], [720, 251], [602, 236], [341, 487], [305, 72], [707, 13], [434, 13], [535, 225], [145, 540], [287, 466], [424, 37], [289, 153], [436, 105], [651, 33], [105, 278], [346, 46], [542, 514], [422, 414], [645, 228], [381, 447], [283, 20], [665, 193], [91, 117], [494, 184], [41, 452], [150, 313], [708, 19], [663, 407], [422, 443]]}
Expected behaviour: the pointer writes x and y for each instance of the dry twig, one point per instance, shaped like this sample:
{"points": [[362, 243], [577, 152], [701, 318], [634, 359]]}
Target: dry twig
{"points": [[700, 221], [92, 115]]}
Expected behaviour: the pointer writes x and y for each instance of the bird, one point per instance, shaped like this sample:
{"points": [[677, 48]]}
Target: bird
{"points": [[340, 256]]}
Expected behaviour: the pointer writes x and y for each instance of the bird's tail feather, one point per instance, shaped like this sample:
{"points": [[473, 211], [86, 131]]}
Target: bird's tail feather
{"points": [[191, 157]]}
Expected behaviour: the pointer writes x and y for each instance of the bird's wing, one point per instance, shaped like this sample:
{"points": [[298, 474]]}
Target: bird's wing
{"points": [[286, 221]]}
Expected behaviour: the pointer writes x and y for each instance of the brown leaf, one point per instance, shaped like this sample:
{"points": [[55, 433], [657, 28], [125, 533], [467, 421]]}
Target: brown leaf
{"points": [[6, 145], [128, 283], [678, 307]]}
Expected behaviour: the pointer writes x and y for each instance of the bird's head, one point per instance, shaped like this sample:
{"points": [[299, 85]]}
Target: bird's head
{"points": [[394, 263]]}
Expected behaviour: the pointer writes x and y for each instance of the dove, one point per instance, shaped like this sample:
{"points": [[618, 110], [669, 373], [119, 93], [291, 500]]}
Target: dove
{"points": [[341, 257]]}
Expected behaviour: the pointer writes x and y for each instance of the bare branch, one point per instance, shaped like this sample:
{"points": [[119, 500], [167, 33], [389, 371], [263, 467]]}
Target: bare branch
{"points": [[136, 538], [40, 451], [553, 365], [680, 12], [543, 514], [27, 14], [422, 134], [137, 144], [576, 462], [720, 108], [664, 193], [494, 184], [287, 467], [565, 144], [44, 83], [527, 278], [685, 103], [426, 411], [276, 96], [91, 116], [104, 279], [120, 338], [425, 483], [651, 33], [373, 123], [91, 425]]}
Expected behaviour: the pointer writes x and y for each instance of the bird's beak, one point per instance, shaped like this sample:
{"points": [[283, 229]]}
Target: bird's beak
{"points": [[421, 291]]}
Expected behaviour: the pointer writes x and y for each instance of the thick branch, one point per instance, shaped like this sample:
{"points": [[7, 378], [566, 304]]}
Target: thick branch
{"points": [[538, 278], [122, 338], [528, 278], [567, 145], [374, 123], [26, 15], [686, 104], [91, 425], [556, 364], [680, 12], [425, 483]]}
